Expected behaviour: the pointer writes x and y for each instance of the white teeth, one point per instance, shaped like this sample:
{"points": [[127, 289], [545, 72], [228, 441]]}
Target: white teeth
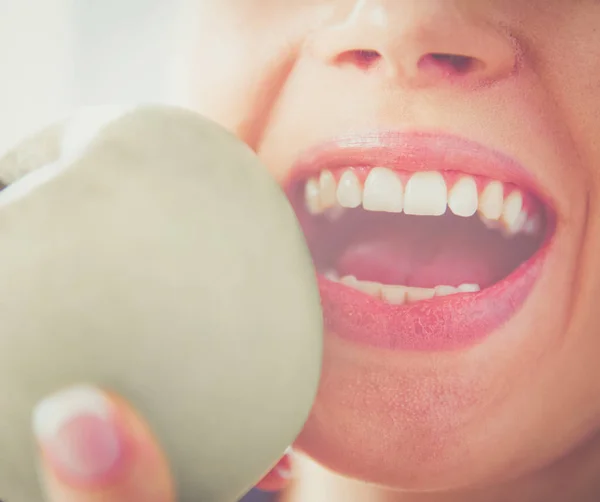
{"points": [[312, 196], [445, 290], [371, 288], [349, 191], [327, 187], [511, 213], [383, 191], [462, 199], [469, 288], [426, 194], [396, 295], [491, 202], [399, 295], [349, 280], [418, 294], [517, 225]]}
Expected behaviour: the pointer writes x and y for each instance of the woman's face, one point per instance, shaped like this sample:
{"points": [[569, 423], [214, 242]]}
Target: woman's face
{"points": [[488, 106]]}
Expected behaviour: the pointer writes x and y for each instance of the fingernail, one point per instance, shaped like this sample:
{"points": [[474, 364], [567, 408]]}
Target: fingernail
{"points": [[77, 433]]}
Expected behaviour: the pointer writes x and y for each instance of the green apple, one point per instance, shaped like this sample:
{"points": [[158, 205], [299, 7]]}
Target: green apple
{"points": [[148, 251]]}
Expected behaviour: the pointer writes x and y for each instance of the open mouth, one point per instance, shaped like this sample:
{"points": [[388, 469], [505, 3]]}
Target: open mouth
{"points": [[421, 242]]}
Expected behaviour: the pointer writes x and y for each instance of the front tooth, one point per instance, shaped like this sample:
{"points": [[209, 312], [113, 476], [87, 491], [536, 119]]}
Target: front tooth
{"points": [[349, 192], [512, 209], [445, 290], [327, 187], [312, 196], [383, 191], [418, 294], [396, 295], [426, 194], [462, 199], [491, 202]]}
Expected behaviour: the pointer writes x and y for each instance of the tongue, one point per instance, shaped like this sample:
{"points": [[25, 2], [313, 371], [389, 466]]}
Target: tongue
{"points": [[428, 255]]}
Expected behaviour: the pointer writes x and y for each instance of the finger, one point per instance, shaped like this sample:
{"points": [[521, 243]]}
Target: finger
{"points": [[94, 448]]}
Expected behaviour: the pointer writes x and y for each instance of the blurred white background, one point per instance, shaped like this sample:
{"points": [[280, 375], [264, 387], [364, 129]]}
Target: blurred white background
{"points": [[59, 54]]}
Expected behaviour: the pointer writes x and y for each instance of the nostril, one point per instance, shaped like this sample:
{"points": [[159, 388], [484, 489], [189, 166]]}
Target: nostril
{"points": [[363, 59], [449, 64]]}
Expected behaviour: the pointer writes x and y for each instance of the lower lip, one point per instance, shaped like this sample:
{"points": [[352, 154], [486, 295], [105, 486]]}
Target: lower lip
{"points": [[440, 324]]}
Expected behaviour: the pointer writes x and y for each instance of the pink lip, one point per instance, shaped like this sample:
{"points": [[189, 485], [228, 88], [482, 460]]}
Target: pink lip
{"points": [[443, 323]]}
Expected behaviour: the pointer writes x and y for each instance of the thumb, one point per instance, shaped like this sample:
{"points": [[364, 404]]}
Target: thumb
{"points": [[94, 448]]}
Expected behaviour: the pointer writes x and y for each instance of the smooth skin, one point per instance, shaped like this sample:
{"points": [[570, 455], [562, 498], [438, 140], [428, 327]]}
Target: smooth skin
{"points": [[517, 418]]}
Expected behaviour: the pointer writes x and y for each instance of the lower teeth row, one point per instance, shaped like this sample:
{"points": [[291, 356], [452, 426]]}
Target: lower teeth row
{"points": [[399, 295]]}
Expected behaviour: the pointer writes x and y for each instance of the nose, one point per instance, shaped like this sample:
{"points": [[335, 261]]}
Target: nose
{"points": [[422, 42]]}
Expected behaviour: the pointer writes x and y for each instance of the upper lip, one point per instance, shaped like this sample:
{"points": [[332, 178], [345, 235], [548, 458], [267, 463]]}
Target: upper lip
{"points": [[414, 151]]}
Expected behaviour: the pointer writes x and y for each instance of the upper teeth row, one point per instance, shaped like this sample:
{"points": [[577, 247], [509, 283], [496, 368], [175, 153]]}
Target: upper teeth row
{"points": [[425, 193]]}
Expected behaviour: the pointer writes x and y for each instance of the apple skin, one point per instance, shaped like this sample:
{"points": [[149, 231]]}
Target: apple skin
{"points": [[149, 252]]}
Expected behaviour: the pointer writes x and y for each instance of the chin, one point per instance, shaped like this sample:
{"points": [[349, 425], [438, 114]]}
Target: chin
{"points": [[422, 427]]}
